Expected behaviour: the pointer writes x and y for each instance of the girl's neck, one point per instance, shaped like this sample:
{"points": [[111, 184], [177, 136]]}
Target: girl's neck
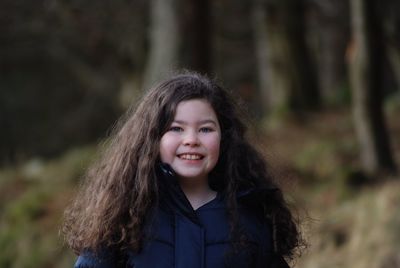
{"points": [[197, 192]]}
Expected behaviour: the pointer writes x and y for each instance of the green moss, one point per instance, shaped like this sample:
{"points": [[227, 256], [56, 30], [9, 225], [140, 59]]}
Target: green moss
{"points": [[28, 225], [29, 207], [319, 157]]}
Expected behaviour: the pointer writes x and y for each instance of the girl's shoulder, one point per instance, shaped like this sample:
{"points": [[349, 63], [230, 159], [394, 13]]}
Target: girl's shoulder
{"points": [[88, 260], [105, 258]]}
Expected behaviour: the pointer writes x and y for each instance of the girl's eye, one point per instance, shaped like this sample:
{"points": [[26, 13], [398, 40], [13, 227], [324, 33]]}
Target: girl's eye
{"points": [[206, 129], [176, 129]]}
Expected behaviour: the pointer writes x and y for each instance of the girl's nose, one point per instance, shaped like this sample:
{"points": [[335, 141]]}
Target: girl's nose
{"points": [[191, 139]]}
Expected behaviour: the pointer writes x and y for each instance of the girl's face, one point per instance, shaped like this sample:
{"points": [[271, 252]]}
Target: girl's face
{"points": [[191, 144]]}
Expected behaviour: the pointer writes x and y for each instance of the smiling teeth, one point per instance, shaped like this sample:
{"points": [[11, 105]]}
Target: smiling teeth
{"points": [[190, 156]]}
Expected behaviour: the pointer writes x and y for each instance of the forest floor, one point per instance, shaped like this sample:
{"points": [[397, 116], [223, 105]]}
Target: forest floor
{"points": [[347, 221]]}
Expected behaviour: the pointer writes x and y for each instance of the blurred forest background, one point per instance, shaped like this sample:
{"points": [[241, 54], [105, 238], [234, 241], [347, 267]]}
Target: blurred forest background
{"points": [[320, 79]]}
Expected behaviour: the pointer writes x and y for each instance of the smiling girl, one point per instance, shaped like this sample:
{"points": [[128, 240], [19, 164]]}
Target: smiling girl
{"points": [[191, 148], [180, 186]]}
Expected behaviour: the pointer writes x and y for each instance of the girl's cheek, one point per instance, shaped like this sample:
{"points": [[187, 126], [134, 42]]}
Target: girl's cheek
{"points": [[214, 146]]}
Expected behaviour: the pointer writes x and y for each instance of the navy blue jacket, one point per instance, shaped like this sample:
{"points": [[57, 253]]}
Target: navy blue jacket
{"points": [[179, 236]]}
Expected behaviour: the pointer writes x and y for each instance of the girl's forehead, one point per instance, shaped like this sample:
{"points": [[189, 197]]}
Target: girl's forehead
{"points": [[197, 108], [195, 104], [195, 100]]}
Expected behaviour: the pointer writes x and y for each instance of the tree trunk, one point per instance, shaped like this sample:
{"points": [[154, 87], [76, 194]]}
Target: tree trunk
{"points": [[164, 41], [179, 39], [235, 56], [196, 35], [391, 22], [393, 52], [366, 81], [261, 47], [328, 31], [293, 82]]}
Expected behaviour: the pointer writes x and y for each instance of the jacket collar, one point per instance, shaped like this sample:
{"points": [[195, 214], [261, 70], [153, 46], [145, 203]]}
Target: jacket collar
{"points": [[172, 196]]}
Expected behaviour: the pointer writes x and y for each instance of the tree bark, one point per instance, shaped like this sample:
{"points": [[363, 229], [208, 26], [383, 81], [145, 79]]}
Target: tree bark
{"points": [[235, 56], [393, 52], [328, 30], [261, 47], [366, 81], [179, 38], [293, 81], [196, 35], [164, 41], [391, 22]]}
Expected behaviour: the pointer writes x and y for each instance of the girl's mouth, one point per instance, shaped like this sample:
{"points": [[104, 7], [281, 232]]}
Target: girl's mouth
{"points": [[190, 156]]}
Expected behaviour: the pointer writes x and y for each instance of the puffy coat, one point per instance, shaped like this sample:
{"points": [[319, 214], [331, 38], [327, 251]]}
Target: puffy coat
{"points": [[179, 236]]}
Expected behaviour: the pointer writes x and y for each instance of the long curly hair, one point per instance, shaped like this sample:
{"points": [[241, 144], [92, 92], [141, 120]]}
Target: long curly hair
{"points": [[120, 188]]}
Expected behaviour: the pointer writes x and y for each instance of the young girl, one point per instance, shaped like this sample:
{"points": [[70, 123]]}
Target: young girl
{"points": [[180, 186]]}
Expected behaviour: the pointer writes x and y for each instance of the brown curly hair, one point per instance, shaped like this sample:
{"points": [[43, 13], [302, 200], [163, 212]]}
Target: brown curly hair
{"points": [[120, 189]]}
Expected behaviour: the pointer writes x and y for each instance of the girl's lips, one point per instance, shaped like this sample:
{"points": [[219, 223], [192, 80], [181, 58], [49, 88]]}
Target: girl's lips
{"points": [[190, 156]]}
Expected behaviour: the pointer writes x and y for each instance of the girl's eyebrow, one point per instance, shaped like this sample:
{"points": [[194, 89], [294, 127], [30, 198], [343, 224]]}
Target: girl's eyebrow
{"points": [[201, 122]]}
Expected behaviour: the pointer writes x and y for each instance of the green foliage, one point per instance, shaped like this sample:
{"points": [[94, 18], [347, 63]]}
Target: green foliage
{"points": [[342, 96], [392, 104], [30, 218], [27, 208], [18, 231], [318, 156]]}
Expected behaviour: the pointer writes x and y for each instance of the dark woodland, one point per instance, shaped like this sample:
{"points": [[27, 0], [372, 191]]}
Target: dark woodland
{"points": [[319, 80]]}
